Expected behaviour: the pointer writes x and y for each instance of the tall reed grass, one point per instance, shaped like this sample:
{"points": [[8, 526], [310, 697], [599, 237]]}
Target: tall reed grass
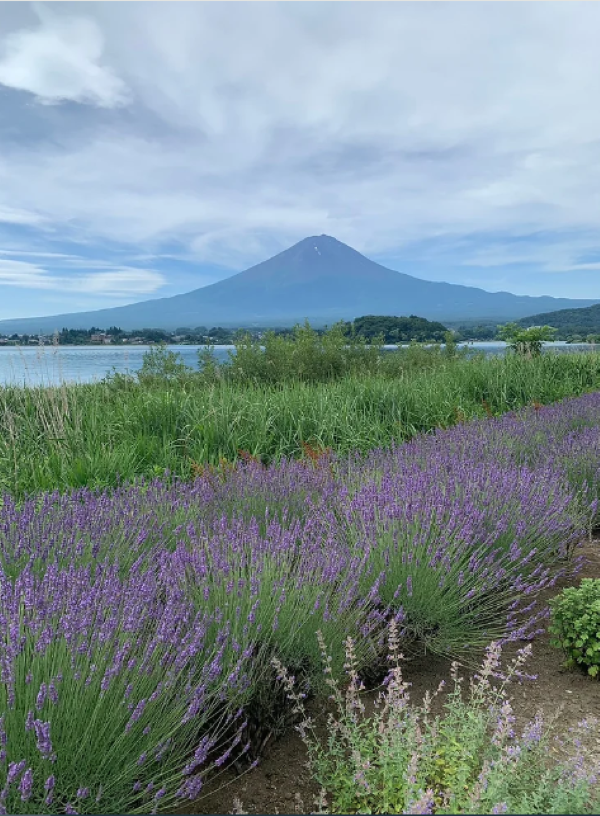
{"points": [[96, 434]]}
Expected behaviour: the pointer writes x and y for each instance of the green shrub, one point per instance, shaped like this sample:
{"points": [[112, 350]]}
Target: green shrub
{"points": [[305, 356], [527, 342], [160, 364], [405, 759], [576, 625]]}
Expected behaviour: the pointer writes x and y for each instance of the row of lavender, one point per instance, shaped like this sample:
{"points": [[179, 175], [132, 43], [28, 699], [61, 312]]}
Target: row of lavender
{"points": [[138, 626]]}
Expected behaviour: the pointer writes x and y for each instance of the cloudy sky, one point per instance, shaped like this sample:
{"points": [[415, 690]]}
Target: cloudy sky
{"points": [[147, 149]]}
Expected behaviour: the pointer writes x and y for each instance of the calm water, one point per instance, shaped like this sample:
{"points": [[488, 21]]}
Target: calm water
{"points": [[48, 365]]}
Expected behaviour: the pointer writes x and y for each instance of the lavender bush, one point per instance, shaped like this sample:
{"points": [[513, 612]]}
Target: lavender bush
{"points": [[144, 620], [460, 553], [111, 692]]}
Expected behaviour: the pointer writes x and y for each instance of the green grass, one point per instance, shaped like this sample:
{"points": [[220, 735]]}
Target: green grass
{"points": [[76, 435]]}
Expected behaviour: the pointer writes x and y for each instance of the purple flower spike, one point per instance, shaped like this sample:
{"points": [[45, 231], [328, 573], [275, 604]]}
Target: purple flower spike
{"points": [[26, 785]]}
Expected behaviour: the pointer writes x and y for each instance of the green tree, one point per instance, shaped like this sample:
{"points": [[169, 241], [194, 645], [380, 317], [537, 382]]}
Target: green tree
{"points": [[527, 342]]}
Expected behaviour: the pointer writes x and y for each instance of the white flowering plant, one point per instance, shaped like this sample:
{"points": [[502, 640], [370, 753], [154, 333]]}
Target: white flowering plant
{"points": [[402, 758]]}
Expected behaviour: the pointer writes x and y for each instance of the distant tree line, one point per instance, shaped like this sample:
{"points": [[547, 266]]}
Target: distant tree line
{"points": [[369, 327], [477, 331], [575, 325], [387, 328], [397, 329]]}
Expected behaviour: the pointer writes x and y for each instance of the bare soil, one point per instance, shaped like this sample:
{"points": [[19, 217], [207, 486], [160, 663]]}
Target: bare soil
{"points": [[281, 782]]}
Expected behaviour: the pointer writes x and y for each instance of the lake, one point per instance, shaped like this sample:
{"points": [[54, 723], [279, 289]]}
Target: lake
{"points": [[51, 365]]}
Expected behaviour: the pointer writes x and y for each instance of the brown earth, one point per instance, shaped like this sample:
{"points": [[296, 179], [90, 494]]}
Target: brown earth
{"points": [[281, 782]]}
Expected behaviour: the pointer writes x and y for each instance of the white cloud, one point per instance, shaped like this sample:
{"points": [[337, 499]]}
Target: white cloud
{"points": [[51, 256], [121, 282], [548, 254], [12, 215], [60, 60], [20, 273], [116, 282]]}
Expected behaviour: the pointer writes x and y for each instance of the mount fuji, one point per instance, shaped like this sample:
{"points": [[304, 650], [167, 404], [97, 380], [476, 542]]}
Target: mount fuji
{"points": [[320, 279]]}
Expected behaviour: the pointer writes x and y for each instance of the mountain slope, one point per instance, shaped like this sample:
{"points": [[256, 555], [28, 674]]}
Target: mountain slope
{"points": [[573, 320], [318, 278]]}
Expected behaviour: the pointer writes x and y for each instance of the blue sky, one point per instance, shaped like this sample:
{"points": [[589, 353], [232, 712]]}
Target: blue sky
{"points": [[148, 149]]}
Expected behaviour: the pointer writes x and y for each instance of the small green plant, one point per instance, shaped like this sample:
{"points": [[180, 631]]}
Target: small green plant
{"points": [[406, 759], [449, 345], [576, 625], [211, 370]]}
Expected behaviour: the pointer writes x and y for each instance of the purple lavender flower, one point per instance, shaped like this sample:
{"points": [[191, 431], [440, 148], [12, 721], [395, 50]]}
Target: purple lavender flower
{"points": [[533, 731], [41, 698], [26, 785], [52, 693], [191, 788], [43, 741], [15, 769]]}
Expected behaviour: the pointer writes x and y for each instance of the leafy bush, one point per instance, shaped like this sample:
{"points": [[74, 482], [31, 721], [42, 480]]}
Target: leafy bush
{"points": [[161, 364], [405, 759], [305, 356], [527, 342], [576, 625]]}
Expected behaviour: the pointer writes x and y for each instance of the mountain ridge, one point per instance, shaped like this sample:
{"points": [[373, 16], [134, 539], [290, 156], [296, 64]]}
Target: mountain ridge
{"points": [[319, 279], [585, 319]]}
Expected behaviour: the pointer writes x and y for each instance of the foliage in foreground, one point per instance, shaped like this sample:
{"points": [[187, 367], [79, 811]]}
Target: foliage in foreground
{"points": [[405, 758], [139, 624], [576, 625], [112, 691]]}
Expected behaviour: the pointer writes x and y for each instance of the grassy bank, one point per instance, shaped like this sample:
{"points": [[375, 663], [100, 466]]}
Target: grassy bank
{"points": [[77, 435]]}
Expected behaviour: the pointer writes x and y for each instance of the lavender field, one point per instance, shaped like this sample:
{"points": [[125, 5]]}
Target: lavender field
{"points": [[139, 624]]}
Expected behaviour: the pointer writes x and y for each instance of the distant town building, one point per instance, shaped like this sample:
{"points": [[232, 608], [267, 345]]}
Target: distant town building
{"points": [[100, 337]]}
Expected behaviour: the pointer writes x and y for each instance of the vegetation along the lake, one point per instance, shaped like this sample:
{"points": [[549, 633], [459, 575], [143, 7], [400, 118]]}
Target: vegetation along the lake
{"points": [[325, 391], [391, 329]]}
